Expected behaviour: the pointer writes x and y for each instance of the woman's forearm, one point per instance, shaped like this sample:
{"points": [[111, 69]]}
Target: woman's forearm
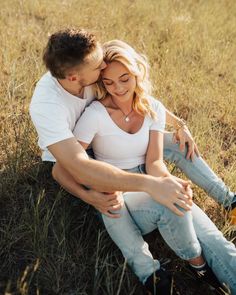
{"points": [[173, 120], [157, 169]]}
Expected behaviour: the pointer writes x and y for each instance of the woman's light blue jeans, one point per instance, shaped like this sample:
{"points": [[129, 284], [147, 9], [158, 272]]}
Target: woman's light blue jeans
{"points": [[188, 236], [198, 172]]}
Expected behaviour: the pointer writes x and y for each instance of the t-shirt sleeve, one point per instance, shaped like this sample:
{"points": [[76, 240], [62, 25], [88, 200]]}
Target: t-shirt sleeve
{"points": [[51, 123], [160, 121], [87, 125]]}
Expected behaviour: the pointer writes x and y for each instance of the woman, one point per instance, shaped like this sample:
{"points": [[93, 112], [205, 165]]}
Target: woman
{"points": [[126, 130]]}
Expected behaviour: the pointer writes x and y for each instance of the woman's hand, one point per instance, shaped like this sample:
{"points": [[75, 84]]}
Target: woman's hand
{"points": [[106, 202], [183, 136]]}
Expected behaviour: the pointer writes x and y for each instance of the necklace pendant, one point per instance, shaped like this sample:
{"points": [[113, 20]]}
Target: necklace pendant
{"points": [[127, 119]]}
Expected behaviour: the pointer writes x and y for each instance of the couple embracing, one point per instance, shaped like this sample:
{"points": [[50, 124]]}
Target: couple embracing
{"points": [[98, 123]]}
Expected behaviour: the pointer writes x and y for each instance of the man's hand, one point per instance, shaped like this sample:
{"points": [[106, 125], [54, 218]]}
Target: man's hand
{"points": [[183, 136], [172, 191], [105, 202]]}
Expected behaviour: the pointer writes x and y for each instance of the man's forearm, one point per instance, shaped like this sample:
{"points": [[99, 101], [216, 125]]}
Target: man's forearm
{"points": [[104, 177], [98, 175], [68, 183]]}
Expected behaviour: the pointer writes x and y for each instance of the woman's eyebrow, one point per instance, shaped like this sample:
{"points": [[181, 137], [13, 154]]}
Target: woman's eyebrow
{"points": [[119, 77]]}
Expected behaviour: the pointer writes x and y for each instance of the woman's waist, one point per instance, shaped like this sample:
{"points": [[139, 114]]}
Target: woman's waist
{"points": [[141, 168]]}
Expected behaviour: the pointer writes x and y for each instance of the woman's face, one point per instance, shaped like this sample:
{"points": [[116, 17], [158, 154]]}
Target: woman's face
{"points": [[118, 81]]}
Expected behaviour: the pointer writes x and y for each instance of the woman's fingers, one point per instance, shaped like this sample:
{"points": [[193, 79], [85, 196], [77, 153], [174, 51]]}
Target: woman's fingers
{"points": [[182, 143], [190, 153], [196, 150], [174, 138]]}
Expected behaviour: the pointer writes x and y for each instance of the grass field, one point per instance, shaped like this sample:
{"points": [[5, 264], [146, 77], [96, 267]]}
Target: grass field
{"points": [[50, 242]]}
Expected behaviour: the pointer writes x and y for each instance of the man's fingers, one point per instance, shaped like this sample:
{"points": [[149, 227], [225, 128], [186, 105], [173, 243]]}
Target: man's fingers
{"points": [[111, 197], [185, 199], [187, 191], [112, 215], [114, 202], [115, 207], [183, 204], [183, 182], [109, 214], [175, 210]]}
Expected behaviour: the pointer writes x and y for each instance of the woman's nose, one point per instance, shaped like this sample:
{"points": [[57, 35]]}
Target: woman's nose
{"points": [[119, 87]]}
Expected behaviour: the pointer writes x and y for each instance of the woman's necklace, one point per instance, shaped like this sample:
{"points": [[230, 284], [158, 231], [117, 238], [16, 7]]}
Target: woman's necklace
{"points": [[126, 117]]}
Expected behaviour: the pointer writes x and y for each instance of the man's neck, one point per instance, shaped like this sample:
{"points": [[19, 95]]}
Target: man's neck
{"points": [[74, 89]]}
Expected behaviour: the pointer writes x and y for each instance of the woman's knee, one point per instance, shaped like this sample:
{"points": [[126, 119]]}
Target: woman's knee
{"points": [[168, 216]]}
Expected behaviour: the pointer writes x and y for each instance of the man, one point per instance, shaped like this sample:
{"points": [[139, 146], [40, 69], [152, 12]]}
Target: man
{"points": [[74, 59]]}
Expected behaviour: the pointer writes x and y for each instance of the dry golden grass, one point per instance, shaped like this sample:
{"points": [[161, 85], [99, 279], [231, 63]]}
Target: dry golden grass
{"points": [[191, 47]]}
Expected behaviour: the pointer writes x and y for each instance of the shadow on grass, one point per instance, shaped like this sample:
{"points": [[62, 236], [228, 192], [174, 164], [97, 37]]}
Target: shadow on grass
{"points": [[53, 243]]}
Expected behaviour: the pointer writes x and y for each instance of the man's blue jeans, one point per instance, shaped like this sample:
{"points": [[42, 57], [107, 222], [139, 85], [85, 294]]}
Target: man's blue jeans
{"points": [[188, 236]]}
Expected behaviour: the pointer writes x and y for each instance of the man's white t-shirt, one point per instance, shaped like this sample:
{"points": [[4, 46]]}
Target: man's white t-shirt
{"points": [[54, 112], [110, 143]]}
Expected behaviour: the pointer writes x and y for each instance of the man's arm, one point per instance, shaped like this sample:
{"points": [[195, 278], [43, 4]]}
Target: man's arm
{"points": [[182, 135], [101, 201], [106, 178]]}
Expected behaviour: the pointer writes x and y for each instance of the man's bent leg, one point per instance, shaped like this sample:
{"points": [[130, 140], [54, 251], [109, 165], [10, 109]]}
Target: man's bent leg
{"points": [[198, 171], [128, 237]]}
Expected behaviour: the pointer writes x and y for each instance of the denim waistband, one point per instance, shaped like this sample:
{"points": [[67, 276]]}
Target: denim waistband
{"points": [[138, 169]]}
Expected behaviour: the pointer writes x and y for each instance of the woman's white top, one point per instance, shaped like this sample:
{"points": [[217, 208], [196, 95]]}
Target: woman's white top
{"points": [[110, 143]]}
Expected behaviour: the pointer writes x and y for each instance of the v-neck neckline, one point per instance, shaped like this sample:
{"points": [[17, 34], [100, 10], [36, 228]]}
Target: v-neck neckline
{"points": [[118, 127]]}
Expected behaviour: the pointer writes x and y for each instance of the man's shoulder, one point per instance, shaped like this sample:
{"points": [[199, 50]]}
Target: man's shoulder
{"points": [[47, 87], [47, 80]]}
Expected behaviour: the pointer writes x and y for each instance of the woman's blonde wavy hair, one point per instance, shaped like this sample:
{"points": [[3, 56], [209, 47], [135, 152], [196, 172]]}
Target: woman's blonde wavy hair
{"points": [[137, 65]]}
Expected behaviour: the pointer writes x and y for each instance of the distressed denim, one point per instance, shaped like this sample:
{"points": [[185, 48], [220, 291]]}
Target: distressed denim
{"points": [[188, 236]]}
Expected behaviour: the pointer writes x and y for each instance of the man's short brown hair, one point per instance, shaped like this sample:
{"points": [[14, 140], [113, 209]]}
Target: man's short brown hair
{"points": [[67, 49]]}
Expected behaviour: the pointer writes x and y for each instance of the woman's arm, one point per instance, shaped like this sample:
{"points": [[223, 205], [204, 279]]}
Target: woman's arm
{"points": [[156, 167], [154, 157], [182, 135]]}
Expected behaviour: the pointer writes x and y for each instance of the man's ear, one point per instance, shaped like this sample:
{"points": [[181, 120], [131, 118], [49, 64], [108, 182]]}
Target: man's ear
{"points": [[72, 77]]}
